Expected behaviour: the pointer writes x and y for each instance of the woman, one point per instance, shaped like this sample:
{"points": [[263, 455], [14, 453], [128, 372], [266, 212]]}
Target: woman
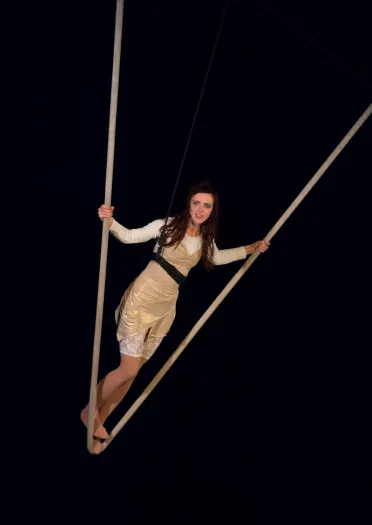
{"points": [[147, 309]]}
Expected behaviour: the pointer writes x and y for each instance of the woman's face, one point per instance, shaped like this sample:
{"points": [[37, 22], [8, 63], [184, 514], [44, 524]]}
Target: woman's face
{"points": [[201, 206]]}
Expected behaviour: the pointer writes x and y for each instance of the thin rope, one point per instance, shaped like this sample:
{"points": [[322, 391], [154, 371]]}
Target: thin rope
{"points": [[195, 115], [105, 226], [236, 278]]}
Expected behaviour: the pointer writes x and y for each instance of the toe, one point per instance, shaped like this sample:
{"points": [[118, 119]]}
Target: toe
{"points": [[97, 446]]}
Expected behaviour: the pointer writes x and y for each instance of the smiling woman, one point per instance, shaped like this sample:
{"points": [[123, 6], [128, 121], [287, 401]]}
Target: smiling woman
{"points": [[200, 208], [148, 307], [199, 218]]}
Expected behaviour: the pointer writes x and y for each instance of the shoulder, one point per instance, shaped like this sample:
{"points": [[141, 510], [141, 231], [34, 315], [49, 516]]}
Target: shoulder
{"points": [[169, 221], [157, 223]]}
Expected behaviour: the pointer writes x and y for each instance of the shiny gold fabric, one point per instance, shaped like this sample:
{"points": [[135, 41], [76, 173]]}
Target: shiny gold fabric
{"points": [[149, 303]]}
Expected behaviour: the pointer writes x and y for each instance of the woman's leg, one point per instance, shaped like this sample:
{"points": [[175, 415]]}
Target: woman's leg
{"points": [[149, 347], [119, 379], [114, 386], [121, 376], [115, 398]]}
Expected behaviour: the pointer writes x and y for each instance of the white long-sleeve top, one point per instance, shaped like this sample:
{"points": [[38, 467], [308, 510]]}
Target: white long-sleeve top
{"points": [[193, 244]]}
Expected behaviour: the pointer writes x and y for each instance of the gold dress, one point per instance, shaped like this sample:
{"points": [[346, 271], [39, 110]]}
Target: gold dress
{"points": [[148, 306]]}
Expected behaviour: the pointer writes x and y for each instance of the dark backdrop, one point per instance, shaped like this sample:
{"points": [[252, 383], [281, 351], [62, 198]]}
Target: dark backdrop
{"points": [[264, 417]]}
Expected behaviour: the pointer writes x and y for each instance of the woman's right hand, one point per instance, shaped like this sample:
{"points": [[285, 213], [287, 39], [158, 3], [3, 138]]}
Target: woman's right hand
{"points": [[106, 212]]}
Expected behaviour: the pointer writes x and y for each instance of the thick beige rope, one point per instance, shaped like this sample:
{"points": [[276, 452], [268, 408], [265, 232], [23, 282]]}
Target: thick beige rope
{"points": [[105, 226], [236, 278]]}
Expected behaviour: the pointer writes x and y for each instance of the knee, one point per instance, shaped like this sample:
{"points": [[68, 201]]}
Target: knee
{"points": [[131, 374], [128, 373]]}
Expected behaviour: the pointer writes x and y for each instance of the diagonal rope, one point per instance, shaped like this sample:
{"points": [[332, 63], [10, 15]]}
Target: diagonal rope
{"points": [[196, 113], [105, 226], [237, 277]]}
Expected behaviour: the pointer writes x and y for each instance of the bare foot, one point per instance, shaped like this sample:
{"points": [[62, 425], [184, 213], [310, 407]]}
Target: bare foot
{"points": [[97, 445], [99, 430]]}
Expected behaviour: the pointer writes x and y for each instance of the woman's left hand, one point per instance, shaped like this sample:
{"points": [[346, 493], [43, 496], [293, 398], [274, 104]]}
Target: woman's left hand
{"points": [[260, 246]]}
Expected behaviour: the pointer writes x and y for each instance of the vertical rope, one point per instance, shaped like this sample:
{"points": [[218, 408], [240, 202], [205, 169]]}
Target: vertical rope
{"points": [[161, 240], [236, 278], [105, 226]]}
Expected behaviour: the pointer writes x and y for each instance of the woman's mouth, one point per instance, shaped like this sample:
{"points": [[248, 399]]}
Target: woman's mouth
{"points": [[198, 216]]}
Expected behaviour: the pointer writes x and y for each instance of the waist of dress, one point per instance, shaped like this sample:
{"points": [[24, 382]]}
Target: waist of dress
{"points": [[154, 272]]}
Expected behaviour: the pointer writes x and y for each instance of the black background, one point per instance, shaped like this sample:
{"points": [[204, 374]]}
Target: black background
{"points": [[264, 417]]}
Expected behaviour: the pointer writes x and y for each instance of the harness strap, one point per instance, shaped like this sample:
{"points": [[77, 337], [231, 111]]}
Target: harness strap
{"points": [[169, 268]]}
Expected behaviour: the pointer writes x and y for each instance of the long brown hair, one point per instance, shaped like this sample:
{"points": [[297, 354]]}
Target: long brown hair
{"points": [[175, 230]]}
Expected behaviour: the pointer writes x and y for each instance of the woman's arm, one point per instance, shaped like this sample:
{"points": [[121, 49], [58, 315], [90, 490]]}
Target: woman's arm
{"points": [[130, 236], [227, 256], [236, 254], [136, 235]]}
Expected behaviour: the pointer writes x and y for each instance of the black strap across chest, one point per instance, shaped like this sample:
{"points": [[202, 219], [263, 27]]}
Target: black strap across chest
{"points": [[169, 268]]}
